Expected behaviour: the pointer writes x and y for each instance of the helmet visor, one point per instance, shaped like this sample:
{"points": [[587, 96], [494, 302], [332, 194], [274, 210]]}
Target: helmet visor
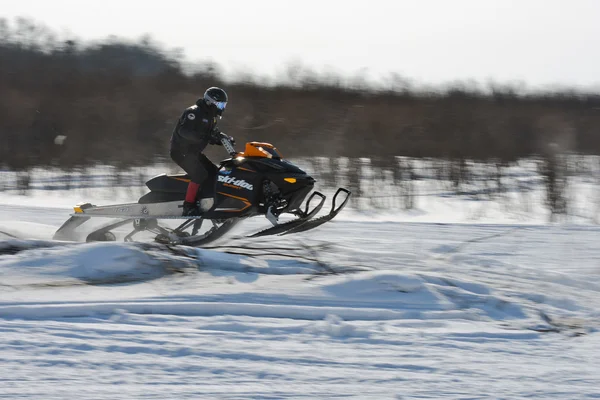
{"points": [[220, 105]]}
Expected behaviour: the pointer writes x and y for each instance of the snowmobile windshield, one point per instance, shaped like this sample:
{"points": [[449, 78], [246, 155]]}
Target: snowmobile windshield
{"points": [[259, 149]]}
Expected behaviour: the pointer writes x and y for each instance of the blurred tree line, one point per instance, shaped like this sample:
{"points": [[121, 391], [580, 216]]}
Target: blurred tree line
{"points": [[117, 102]]}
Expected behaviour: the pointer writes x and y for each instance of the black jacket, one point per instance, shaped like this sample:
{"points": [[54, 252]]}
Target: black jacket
{"points": [[196, 128]]}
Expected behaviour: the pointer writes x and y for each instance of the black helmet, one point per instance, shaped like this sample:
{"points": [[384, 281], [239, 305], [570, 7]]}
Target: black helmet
{"points": [[217, 98]]}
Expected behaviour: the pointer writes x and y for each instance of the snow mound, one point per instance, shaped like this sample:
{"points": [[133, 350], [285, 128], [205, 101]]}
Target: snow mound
{"points": [[80, 263], [396, 289]]}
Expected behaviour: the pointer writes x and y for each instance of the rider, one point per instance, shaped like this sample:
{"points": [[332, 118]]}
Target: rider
{"points": [[196, 128]]}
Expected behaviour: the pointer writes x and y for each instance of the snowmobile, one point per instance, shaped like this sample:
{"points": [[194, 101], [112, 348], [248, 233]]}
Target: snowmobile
{"points": [[255, 182]]}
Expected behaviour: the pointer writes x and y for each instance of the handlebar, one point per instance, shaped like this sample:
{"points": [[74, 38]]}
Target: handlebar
{"points": [[227, 145]]}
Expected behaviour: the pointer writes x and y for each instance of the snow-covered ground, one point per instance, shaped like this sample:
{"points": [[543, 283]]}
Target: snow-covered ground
{"points": [[377, 306]]}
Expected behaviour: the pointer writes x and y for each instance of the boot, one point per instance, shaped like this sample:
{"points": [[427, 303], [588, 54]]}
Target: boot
{"points": [[190, 205], [190, 209]]}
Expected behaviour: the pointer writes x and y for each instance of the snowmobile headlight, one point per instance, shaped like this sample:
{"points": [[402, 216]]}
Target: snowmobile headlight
{"points": [[290, 180]]}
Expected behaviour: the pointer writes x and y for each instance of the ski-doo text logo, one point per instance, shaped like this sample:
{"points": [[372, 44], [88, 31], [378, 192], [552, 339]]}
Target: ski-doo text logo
{"points": [[235, 182]]}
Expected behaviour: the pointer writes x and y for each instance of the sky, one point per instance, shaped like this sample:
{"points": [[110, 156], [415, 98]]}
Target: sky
{"points": [[534, 43]]}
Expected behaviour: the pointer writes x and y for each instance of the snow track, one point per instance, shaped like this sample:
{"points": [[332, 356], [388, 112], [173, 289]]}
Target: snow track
{"points": [[353, 310]]}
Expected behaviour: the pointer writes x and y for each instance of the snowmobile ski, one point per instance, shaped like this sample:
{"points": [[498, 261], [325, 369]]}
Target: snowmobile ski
{"points": [[304, 217], [313, 223], [214, 233]]}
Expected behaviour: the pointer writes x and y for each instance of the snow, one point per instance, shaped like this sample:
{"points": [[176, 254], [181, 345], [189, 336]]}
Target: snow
{"points": [[396, 305], [95, 262]]}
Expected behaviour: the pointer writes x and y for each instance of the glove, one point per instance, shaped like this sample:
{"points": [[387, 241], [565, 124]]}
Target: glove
{"points": [[215, 137]]}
